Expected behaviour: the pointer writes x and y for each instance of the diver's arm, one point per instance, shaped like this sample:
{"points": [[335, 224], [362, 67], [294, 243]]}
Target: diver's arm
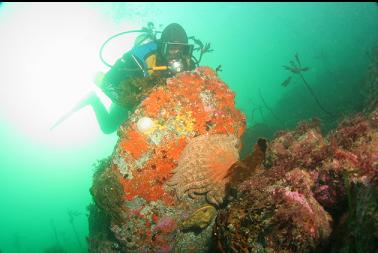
{"points": [[125, 67]]}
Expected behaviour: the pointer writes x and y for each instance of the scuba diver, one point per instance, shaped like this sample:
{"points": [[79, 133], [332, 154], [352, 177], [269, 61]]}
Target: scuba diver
{"points": [[149, 59], [163, 58]]}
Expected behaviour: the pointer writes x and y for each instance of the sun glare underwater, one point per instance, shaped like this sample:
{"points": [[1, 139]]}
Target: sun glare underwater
{"points": [[282, 97]]}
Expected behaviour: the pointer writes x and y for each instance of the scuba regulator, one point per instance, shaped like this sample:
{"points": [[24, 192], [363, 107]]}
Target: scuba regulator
{"points": [[174, 67]]}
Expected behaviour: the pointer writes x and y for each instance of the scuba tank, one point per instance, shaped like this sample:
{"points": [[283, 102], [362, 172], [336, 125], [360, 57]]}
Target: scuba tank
{"points": [[148, 34], [142, 39]]}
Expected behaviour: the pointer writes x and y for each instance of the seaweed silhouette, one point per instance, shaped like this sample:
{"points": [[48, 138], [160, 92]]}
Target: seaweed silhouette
{"points": [[260, 109], [295, 67], [201, 48], [73, 214]]}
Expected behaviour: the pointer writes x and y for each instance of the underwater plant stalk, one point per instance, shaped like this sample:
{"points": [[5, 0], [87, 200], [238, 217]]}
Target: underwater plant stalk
{"points": [[77, 236], [55, 233], [72, 215], [269, 109], [314, 96]]}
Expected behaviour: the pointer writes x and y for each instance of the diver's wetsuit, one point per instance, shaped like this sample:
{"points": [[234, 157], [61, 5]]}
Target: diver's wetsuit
{"points": [[136, 63], [132, 64]]}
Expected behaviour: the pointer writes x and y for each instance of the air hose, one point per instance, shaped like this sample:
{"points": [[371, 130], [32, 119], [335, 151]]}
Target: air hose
{"points": [[111, 38]]}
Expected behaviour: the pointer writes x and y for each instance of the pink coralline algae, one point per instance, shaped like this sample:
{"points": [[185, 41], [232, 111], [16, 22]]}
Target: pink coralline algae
{"points": [[272, 215], [165, 225], [298, 197], [307, 182]]}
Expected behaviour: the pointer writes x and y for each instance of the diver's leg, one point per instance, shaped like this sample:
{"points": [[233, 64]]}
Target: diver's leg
{"points": [[117, 114], [108, 121]]}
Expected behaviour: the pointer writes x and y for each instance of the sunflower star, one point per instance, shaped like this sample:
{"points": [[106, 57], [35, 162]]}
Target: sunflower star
{"points": [[203, 166]]}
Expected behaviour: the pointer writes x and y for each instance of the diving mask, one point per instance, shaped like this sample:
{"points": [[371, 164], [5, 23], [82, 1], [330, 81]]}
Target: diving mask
{"points": [[175, 51]]}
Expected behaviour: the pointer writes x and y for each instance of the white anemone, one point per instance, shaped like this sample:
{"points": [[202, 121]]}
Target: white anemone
{"points": [[145, 124]]}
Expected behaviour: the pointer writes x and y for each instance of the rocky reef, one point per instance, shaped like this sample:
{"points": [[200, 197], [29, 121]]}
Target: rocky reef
{"points": [[175, 181], [312, 192], [163, 185], [308, 189]]}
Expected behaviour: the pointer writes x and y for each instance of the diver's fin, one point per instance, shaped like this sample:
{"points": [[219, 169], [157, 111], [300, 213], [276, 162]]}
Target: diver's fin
{"points": [[63, 118], [81, 104]]}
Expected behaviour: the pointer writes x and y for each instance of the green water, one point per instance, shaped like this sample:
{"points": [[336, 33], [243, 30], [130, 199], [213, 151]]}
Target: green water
{"points": [[49, 56]]}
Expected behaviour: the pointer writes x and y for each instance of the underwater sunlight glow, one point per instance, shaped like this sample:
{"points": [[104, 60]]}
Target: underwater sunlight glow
{"points": [[277, 64], [51, 57]]}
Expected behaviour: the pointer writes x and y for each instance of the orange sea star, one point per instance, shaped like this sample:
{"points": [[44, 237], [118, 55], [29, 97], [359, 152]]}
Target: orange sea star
{"points": [[203, 165]]}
